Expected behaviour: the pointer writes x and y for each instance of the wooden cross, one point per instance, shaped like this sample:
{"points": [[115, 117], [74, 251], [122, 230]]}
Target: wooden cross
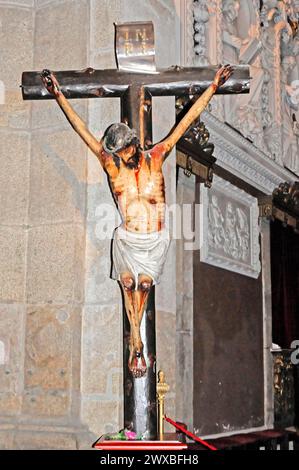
{"points": [[135, 90]]}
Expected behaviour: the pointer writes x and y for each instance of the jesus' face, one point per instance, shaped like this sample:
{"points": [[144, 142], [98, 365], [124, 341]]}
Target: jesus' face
{"points": [[129, 156]]}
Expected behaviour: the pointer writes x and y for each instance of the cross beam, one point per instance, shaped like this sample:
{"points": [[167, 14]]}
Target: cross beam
{"points": [[135, 89]]}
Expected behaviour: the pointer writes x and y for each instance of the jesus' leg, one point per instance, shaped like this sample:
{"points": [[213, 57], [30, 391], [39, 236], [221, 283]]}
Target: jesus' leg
{"points": [[144, 286], [136, 362], [145, 283]]}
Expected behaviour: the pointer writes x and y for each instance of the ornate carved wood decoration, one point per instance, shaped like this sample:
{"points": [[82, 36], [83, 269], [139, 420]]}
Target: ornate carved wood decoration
{"points": [[286, 197], [194, 151], [283, 204], [284, 400]]}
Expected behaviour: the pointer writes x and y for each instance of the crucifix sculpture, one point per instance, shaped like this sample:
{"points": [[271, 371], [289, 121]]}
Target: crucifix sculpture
{"points": [[134, 168]]}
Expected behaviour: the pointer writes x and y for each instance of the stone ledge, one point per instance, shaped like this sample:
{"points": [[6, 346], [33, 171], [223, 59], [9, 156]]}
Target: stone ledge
{"points": [[243, 159], [17, 3], [28, 436]]}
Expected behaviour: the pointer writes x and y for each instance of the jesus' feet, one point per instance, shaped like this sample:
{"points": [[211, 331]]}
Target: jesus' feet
{"points": [[137, 364]]}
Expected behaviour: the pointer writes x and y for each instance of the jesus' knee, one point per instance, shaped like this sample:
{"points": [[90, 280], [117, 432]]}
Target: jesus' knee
{"points": [[145, 283], [127, 281]]}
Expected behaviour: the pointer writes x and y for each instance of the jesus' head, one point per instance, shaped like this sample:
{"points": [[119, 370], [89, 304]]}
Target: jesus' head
{"points": [[121, 141]]}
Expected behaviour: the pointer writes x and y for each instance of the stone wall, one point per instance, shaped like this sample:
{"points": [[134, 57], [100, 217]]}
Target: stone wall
{"points": [[16, 39], [60, 314]]}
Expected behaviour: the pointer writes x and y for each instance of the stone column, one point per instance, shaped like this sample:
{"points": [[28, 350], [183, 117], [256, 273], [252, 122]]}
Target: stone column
{"points": [[267, 322]]}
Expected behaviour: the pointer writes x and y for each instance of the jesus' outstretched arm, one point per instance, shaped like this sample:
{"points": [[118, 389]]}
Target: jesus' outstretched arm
{"points": [[76, 122], [222, 75]]}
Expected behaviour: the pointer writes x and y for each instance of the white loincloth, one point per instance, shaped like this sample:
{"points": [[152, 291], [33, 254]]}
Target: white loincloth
{"points": [[139, 253]]}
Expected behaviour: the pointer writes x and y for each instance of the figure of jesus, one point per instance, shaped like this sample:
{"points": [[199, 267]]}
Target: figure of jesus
{"points": [[135, 175]]}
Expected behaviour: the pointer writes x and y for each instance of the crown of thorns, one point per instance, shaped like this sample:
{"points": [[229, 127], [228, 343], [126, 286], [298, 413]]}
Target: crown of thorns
{"points": [[119, 136]]}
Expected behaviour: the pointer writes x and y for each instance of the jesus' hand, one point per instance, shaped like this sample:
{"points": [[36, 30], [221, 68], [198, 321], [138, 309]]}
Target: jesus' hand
{"points": [[223, 74], [50, 82]]}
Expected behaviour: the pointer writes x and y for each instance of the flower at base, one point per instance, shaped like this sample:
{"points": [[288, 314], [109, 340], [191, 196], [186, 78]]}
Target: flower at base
{"points": [[130, 435]]}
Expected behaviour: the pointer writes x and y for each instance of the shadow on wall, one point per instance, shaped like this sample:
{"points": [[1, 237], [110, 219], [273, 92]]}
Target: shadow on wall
{"points": [[79, 190]]}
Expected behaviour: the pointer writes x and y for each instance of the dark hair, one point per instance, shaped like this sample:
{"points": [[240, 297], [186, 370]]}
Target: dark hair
{"points": [[119, 136]]}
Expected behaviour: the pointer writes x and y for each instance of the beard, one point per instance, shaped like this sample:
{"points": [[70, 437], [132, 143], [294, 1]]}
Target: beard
{"points": [[133, 161]]}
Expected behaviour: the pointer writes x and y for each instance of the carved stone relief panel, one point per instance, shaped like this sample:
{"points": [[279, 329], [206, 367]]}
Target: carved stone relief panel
{"points": [[207, 26], [265, 35], [242, 44], [201, 20], [230, 229], [290, 89], [279, 19]]}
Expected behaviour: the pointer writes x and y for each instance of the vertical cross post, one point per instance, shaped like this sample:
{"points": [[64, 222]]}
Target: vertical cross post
{"points": [[140, 410]]}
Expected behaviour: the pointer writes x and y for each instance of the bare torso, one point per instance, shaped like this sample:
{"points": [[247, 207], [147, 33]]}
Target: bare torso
{"points": [[139, 192]]}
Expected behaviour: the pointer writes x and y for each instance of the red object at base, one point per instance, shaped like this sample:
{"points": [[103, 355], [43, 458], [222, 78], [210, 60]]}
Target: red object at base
{"points": [[140, 445], [189, 434]]}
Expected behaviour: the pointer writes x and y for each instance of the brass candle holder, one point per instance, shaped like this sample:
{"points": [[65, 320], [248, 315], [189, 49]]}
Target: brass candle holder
{"points": [[162, 389]]}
